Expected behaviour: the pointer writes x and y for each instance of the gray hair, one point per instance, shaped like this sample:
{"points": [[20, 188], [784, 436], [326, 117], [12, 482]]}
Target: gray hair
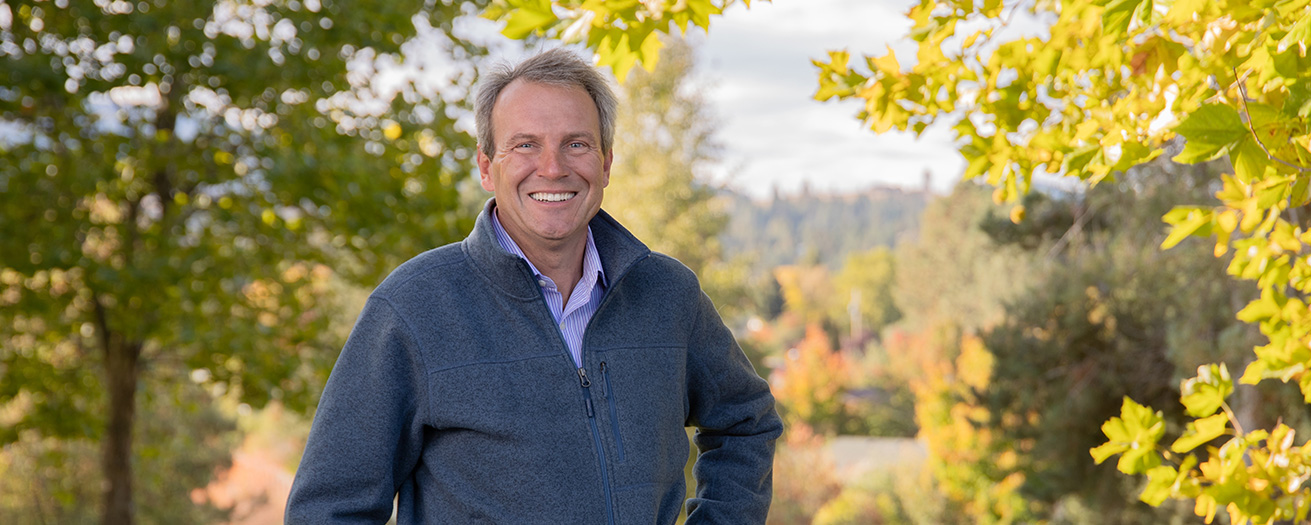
{"points": [[556, 67]]}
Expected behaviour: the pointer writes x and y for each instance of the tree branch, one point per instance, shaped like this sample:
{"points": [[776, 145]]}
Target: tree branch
{"points": [[1233, 418], [1242, 100], [1085, 213]]}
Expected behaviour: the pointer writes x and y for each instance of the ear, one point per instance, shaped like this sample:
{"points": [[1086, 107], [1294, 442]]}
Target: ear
{"points": [[485, 171], [605, 168]]}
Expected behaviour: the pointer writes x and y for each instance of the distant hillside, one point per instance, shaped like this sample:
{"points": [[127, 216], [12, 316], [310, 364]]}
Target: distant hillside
{"points": [[819, 228]]}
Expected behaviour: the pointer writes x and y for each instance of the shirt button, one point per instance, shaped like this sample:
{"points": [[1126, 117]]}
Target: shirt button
{"points": [[541, 282]]}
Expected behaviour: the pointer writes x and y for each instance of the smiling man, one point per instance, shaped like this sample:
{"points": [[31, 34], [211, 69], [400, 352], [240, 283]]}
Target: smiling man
{"points": [[542, 370]]}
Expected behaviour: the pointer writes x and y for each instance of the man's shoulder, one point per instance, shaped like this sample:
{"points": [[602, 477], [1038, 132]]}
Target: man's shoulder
{"points": [[666, 272], [431, 265], [670, 267]]}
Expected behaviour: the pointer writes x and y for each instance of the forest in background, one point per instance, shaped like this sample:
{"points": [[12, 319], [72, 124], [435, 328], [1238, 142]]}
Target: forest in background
{"points": [[179, 272], [818, 228]]}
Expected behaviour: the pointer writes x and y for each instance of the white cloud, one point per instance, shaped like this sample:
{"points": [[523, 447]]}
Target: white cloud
{"points": [[774, 133]]}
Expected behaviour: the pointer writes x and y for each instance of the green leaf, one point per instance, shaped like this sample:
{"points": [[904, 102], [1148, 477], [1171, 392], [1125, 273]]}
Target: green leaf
{"points": [[648, 54], [529, 18], [1203, 395], [1248, 160], [701, 11], [1200, 432], [1291, 63], [1193, 221], [1134, 434], [1256, 371], [1159, 481], [1299, 100], [1269, 305], [976, 167], [1133, 154], [1077, 160], [1119, 14], [1209, 133], [1106, 450], [1298, 35], [621, 5]]}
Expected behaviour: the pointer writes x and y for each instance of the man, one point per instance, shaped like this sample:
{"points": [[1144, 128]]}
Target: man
{"points": [[543, 369]]}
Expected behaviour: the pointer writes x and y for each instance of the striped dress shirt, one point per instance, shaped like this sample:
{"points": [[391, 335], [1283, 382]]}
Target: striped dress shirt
{"points": [[571, 318]]}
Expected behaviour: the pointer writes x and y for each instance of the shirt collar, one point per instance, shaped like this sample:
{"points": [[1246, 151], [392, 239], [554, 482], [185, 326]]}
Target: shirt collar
{"points": [[591, 259]]}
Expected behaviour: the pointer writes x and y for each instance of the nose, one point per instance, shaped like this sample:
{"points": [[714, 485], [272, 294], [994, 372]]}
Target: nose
{"points": [[551, 163]]}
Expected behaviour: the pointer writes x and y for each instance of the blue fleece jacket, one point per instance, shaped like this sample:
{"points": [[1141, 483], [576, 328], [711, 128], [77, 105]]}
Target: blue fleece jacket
{"points": [[456, 394]]}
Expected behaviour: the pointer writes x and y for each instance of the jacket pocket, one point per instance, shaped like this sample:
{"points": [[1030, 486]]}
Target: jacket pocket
{"points": [[608, 392]]}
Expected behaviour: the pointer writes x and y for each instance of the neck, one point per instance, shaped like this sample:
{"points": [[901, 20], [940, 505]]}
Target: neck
{"points": [[562, 261]]}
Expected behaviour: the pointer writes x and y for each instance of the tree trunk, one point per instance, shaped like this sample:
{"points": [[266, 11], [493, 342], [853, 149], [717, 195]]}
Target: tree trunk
{"points": [[122, 369]]}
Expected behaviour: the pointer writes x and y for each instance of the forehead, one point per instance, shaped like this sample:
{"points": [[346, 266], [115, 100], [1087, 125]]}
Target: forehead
{"points": [[542, 109]]}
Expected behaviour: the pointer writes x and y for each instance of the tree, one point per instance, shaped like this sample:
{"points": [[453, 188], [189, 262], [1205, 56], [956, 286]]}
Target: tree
{"points": [[175, 178], [624, 33], [1115, 316], [863, 301], [1107, 86], [792, 229], [664, 139], [182, 439], [954, 272]]}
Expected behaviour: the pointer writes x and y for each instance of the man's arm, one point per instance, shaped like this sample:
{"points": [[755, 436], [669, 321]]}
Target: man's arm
{"points": [[368, 430], [736, 427]]}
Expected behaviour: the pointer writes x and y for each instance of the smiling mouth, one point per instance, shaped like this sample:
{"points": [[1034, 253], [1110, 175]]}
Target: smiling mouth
{"points": [[552, 197]]}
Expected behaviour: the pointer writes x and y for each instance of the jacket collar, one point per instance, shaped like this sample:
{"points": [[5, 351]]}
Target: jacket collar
{"points": [[619, 251]]}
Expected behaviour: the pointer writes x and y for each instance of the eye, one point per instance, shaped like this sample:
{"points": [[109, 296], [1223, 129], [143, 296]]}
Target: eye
{"points": [[524, 146], [578, 145]]}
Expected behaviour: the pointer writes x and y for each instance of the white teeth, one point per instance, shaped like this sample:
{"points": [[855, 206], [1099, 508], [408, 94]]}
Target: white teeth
{"points": [[552, 197]]}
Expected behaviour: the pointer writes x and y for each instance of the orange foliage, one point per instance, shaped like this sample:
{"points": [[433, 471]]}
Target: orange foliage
{"points": [[810, 383], [945, 371]]}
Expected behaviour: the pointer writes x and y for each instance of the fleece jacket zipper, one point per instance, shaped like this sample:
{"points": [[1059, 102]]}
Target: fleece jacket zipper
{"points": [[608, 392], [586, 384], [596, 439]]}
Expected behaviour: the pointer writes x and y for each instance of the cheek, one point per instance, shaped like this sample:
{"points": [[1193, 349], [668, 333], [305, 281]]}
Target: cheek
{"points": [[508, 170], [591, 167]]}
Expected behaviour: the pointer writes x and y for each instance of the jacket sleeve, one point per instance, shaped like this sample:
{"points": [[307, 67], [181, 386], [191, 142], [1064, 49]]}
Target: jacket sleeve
{"points": [[367, 433], [733, 412]]}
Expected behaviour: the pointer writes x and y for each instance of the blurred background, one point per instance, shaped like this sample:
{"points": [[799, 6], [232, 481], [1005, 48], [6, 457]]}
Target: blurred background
{"points": [[196, 198]]}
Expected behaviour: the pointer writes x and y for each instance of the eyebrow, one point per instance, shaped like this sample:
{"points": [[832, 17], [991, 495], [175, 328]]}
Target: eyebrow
{"points": [[580, 135], [520, 137]]}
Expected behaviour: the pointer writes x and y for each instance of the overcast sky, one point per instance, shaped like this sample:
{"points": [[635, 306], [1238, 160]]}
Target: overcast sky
{"points": [[762, 83]]}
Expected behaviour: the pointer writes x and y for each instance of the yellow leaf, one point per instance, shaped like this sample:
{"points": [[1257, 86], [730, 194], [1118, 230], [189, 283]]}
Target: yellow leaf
{"points": [[1085, 130], [649, 52], [838, 61], [969, 40], [526, 20], [1227, 221], [1183, 12], [391, 130], [886, 63], [1205, 507]]}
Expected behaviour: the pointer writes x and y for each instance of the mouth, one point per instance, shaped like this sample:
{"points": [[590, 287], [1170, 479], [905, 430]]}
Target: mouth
{"points": [[552, 197]]}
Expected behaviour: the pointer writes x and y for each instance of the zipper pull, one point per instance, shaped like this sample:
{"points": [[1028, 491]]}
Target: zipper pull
{"points": [[582, 378], [605, 381]]}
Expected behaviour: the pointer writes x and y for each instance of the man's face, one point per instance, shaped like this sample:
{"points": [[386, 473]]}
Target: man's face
{"points": [[547, 171]]}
